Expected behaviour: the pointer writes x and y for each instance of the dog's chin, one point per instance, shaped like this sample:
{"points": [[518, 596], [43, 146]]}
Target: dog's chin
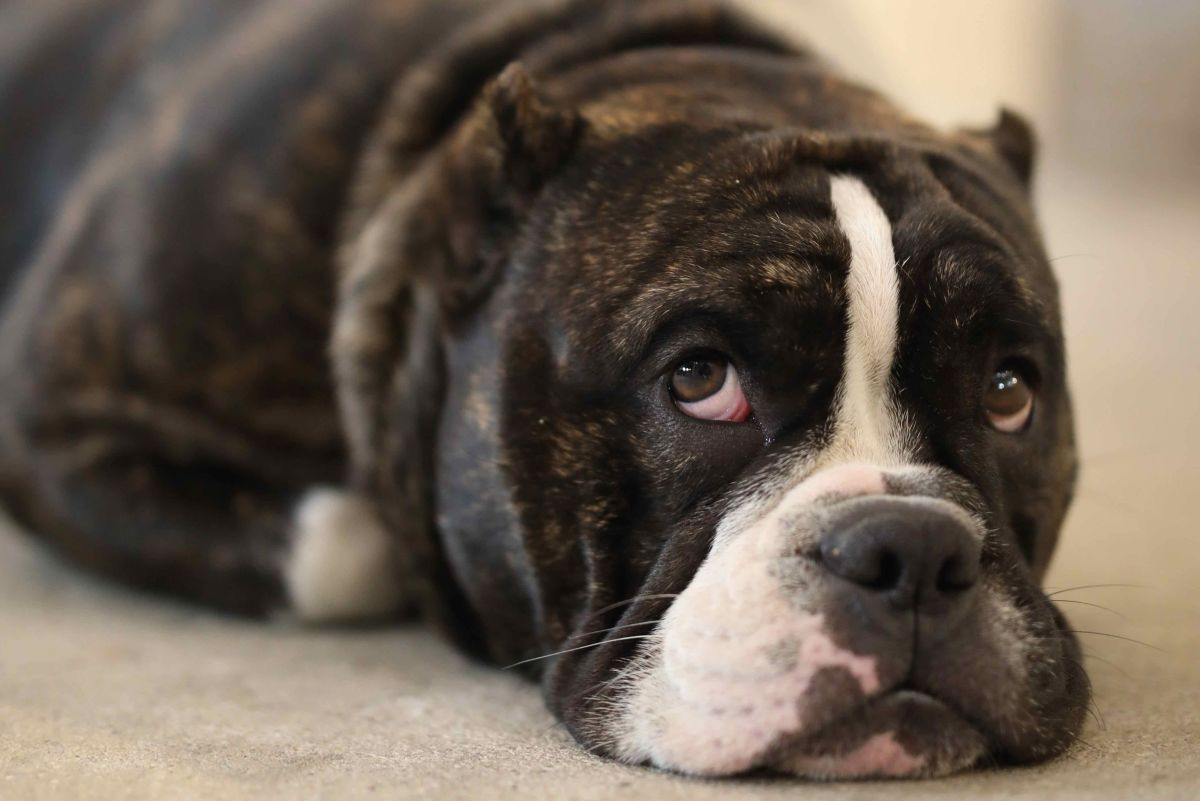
{"points": [[903, 734]]}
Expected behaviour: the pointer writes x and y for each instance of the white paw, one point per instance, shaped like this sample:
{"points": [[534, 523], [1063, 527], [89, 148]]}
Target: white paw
{"points": [[343, 563]]}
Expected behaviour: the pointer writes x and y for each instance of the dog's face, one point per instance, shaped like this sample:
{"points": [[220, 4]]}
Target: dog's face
{"points": [[765, 434]]}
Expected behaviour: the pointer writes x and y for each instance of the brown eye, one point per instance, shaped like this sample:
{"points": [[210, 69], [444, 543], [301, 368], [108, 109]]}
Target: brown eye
{"points": [[697, 379], [709, 389], [1008, 400]]}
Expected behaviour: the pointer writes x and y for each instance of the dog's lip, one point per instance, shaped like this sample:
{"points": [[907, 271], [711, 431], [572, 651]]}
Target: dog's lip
{"points": [[897, 696], [906, 693], [902, 707]]}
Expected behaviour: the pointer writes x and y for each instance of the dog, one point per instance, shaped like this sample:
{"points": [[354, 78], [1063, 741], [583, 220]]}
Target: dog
{"points": [[624, 340]]}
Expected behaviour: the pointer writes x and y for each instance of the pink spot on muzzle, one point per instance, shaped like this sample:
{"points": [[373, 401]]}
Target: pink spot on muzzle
{"points": [[880, 755], [820, 651], [739, 651], [847, 481]]}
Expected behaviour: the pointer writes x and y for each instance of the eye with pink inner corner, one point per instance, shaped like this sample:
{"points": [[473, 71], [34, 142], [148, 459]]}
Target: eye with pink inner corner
{"points": [[707, 387]]}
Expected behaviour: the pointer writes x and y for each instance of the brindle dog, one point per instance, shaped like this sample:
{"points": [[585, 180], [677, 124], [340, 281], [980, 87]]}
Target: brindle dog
{"points": [[631, 333]]}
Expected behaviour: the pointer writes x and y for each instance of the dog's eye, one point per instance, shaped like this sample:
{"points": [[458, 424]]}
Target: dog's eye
{"points": [[708, 388], [1008, 400]]}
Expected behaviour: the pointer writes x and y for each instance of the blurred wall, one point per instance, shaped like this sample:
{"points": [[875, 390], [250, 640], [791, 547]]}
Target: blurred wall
{"points": [[1130, 85], [1108, 84], [950, 61]]}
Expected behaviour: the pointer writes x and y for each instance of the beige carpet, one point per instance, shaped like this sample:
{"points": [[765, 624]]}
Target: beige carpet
{"points": [[107, 695]]}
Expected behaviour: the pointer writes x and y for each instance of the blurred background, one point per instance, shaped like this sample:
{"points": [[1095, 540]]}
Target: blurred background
{"points": [[1113, 84]]}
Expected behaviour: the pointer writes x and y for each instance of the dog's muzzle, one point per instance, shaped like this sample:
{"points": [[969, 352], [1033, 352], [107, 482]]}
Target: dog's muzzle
{"points": [[812, 638]]}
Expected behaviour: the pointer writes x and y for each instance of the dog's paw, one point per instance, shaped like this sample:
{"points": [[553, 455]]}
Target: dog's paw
{"points": [[342, 563]]}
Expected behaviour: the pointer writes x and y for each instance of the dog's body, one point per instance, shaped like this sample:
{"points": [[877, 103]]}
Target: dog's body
{"points": [[517, 278]]}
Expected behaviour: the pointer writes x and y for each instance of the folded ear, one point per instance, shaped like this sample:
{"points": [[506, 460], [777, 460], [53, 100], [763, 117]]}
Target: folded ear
{"points": [[507, 148], [513, 128], [1012, 140], [434, 225]]}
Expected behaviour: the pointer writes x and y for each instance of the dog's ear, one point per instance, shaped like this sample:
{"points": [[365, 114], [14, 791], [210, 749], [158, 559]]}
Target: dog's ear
{"points": [[513, 138], [430, 230], [1010, 139], [436, 225], [509, 145]]}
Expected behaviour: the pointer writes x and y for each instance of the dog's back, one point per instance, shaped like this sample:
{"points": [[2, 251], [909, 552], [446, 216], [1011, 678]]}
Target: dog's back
{"points": [[175, 175], [106, 89]]}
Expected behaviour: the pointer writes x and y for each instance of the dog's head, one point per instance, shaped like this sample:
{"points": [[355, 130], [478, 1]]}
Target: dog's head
{"points": [[743, 395]]}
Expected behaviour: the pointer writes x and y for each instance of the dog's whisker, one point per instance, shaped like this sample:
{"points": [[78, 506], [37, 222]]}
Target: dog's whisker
{"points": [[1021, 323], [594, 749], [1094, 716], [614, 628], [1089, 656], [1089, 603], [633, 600], [1092, 587], [577, 648], [1094, 708], [593, 693], [1118, 637], [1065, 256]]}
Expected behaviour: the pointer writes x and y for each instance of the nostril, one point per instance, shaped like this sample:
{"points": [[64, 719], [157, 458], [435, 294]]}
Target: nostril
{"points": [[955, 575], [888, 572]]}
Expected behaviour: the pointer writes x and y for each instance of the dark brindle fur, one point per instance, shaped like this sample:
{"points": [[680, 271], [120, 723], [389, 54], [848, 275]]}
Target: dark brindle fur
{"points": [[203, 202]]}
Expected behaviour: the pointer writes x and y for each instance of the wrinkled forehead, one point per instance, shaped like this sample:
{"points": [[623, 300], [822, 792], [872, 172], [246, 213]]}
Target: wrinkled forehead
{"points": [[746, 234]]}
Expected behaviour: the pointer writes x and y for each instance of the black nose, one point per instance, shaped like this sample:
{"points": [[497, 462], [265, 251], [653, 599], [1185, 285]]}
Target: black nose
{"points": [[913, 554]]}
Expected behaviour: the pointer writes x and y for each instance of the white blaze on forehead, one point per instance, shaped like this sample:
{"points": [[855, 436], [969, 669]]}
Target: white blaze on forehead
{"points": [[866, 427]]}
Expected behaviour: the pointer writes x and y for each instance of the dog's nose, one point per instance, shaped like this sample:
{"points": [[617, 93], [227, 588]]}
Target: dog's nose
{"points": [[910, 555]]}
